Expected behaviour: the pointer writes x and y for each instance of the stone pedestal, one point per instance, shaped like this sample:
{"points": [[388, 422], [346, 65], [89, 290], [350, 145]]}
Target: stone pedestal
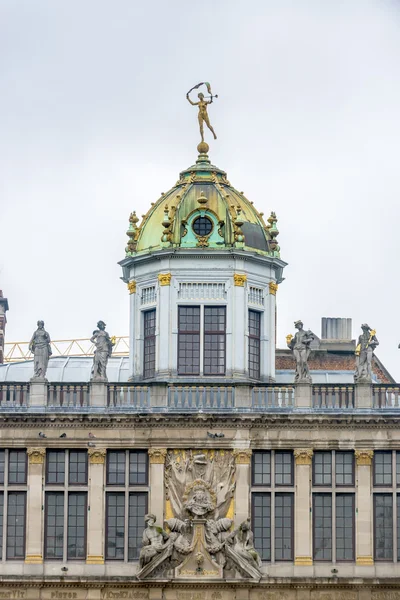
{"points": [[96, 517], [303, 555], [242, 396], [34, 513], [159, 395], [363, 395], [199, 564], [156, 482], [242, 489], [38, 394], [98, 394], [364, 508], [303, 395]]}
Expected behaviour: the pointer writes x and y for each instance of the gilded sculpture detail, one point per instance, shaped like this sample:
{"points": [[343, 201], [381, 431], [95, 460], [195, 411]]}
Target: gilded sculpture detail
{"points": [[203, 117]]}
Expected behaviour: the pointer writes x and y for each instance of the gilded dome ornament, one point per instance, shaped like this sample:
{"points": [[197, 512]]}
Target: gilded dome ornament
{"points": [[203, 117]]}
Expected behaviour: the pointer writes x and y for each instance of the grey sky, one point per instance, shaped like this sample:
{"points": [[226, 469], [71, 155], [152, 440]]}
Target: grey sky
{"points": [[94, 124]]}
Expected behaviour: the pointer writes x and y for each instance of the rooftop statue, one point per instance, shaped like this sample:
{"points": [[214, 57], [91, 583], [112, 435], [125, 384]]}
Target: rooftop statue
{"points": [[104, 345], [300, 346], [367, 342], [202, 104], [41, 349]]}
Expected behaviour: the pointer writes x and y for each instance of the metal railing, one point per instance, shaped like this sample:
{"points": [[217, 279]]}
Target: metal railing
{"points": [[272, 396], [333, 396], [68, 395], [121, 395], [386, 396], [198, 397], [14, 395]]}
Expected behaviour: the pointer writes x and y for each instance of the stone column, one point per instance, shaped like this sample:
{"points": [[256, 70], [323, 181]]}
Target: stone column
{"points": [[242, 488], [132, 328], [96, 516], [364, 508], [163, 332], [269, 333], [239, 337], [156, 482], [34, 513], [302, 535]]}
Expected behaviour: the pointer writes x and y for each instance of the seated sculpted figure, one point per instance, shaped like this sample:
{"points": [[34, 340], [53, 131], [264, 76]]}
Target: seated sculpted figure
{"points": [[155, 539], [243, 544]]}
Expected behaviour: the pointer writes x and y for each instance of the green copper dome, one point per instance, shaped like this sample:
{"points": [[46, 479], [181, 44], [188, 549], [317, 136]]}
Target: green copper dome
{"points": [[203, 210]]}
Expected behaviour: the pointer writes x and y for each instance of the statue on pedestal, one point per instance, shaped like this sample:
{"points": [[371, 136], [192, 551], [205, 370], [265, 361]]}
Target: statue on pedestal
{"points": [[203, 114], [41, 350], [367, 342], [300, 346], [104, 346]]}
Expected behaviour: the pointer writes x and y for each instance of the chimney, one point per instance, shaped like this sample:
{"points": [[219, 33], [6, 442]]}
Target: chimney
{"points": [[334, 328], [3, 321]]}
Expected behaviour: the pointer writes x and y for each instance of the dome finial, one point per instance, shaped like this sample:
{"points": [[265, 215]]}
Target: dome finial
{"points": [[203, 114]]}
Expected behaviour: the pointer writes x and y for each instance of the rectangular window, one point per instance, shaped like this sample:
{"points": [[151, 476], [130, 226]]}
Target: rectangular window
{"points": [[398, 469], [322, 468], [345, 527], [138, 467], [382, 469], [77, 511], [55, 467], [17, 467], [116, 465], [322, 526], [398, 526], [344, 468], [115, 525], [149, 317], [383, 526], [16, 523], [254, 343], [54, 525], [189, 340], [1, 523], [284, 504], [283, 468], [261, 512], [137, 511], [261, 471], [2, 467], [214, 340], [78, 467]]}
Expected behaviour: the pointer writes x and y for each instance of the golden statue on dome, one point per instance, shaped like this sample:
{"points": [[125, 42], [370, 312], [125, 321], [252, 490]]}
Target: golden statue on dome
{"points": [[203, 113]]}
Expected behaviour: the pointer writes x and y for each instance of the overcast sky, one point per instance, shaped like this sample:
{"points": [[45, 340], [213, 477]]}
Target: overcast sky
{"points": [[95, 124]]}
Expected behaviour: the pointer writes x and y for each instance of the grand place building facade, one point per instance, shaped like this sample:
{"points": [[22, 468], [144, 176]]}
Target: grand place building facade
{"points": [[203, 466]]}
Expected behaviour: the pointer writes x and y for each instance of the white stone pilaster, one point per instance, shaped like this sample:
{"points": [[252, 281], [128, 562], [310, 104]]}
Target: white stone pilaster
{"points": [[268, 334], [164, 325], [303, 522], [242, 488], [156, 482], [132, 329], [239, 325], [34, 513], [96, 515], [364, 543]]}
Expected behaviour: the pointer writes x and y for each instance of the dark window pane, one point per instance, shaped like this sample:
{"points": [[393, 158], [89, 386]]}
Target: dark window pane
{"points": [[214, 340], [78, 471], [54, 525], [1, 523], [16, 525], [322, 526], [55, 466], [188, 340], [322, 468], [284, 526], [345, 527], [383, 526], [2, 466], [344, 468], [77, 512], [261, 471], [16, 466], [202, 226], [138, 467], [283, 468], [116, 467], [398, 527], [254, 344], [261, 512], [115, 525], [398, 469], [382, 468], [149, 343], [137, 510]]}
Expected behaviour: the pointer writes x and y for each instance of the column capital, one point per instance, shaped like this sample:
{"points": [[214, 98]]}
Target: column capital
{"points": [[364, 457], [157, 456], [239, 280], [36, 455], [303, 561], [365, 561], [303, 456], [273, 288], [164, 278], [131, 285], [97, 456], [242, 456]]}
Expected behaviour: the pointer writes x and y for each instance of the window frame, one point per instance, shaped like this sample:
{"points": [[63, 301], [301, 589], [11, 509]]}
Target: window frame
{"points": [[392, 490], [257, 339], [214, 333], [193, 332], [6, 489], [147, 339]]}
